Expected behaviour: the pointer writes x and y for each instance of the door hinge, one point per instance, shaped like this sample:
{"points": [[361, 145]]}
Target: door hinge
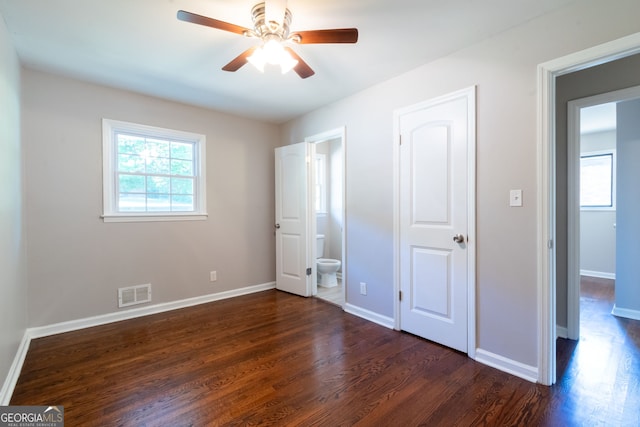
{"points": [[400, 139], [309, 271], [550, 244], [400, 295]]}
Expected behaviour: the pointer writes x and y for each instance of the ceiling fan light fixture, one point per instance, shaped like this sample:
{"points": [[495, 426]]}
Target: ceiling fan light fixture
{"points": [[287, 63], [257, 59], [271, 26], [272, 52]]}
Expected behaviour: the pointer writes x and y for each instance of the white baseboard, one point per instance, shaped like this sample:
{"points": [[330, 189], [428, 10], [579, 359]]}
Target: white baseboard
{"points": [[385, 321], [103, 319], [598, 274], [562, 332], [73, 325], [626, 312], [14, 371], [526, 372]]}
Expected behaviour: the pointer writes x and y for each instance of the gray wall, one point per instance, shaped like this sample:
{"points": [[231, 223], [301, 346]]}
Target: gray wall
{"points": [[597, 233], [628, 227], [609, 77], [598, 243], [504, 70], [13, 289], [76, 262]]}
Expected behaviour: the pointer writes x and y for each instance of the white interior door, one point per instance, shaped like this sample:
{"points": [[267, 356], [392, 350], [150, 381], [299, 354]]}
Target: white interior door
{"points": [[436, 198], [293, 251]]}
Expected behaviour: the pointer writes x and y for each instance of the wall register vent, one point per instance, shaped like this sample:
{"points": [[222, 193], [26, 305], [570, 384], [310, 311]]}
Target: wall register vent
{"points": [[133, 295]]}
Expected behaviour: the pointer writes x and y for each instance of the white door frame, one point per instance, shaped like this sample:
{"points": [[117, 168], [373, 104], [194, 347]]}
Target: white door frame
{"points": [[338, 133], [471, 215], [547, 74]]}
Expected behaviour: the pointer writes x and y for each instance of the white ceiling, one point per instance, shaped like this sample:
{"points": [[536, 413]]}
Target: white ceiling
{"points": [[139, 45], [598, 118]]}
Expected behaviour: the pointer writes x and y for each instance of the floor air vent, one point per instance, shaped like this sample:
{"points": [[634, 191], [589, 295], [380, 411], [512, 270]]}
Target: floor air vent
{"points": [[134, 295]]}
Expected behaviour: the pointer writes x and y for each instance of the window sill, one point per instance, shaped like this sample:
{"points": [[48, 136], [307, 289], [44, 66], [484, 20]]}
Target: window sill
{"points": [[154, 218], [598, 209]]}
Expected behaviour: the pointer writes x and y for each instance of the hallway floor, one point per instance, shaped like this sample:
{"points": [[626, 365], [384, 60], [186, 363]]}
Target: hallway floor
{"points": [[600, 373]]}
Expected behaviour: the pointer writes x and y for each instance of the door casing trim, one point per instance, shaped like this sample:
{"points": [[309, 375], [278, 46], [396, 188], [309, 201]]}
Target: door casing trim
{"points": [[337, 133], [546, 194], [573, 198]]}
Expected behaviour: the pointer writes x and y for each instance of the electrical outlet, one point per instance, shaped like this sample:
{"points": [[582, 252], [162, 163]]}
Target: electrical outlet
{"points": [[213, 276], [363, 288]]}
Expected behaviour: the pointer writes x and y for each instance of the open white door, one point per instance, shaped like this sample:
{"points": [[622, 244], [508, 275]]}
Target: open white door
{"points": [[436, 217], [293, 251]]}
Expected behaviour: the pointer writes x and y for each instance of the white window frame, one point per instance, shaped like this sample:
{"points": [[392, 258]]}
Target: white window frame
{"points": [[321, 183], [109, 149], [610, 152]]}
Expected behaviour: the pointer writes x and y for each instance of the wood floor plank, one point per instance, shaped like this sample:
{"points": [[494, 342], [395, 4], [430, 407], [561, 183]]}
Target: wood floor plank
{"points": [[276, 359]]}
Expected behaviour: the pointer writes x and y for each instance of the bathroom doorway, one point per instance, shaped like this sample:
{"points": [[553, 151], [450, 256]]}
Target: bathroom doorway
{"points": [[328, 211]]}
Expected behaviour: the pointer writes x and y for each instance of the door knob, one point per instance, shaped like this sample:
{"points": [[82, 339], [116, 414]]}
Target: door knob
{"points": [[277, 225], [458, 238]]}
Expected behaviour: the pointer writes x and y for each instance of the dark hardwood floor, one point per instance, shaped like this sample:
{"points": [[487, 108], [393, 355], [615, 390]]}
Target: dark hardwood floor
{"points": [[600, 373], [275, 359]]}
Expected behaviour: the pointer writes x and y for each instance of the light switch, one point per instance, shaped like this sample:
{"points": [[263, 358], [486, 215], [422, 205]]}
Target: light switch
{"points": [[515, 198]]}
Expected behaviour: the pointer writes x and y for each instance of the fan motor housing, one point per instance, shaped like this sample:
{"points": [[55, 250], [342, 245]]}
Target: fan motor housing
{"points": [[263, 28]]}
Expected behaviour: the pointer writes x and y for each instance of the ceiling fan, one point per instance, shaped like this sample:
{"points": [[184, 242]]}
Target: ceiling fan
{"points": [[271, 25]]}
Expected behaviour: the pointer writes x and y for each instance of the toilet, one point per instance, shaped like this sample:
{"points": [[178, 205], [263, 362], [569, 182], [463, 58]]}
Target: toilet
{"points": [[327, 267]]}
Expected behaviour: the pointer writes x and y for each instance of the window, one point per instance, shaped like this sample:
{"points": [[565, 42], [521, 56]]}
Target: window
{"points": [[597, 180], [321, 183], [152, 174]]}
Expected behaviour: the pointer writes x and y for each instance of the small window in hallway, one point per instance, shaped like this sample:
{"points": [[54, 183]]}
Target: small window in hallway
{"points": [[597, 180]]}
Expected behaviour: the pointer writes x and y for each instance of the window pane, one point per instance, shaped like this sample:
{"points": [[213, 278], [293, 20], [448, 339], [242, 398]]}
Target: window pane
{"points": [[158, 165], [152, 170], [318, 198], [157, 148], [130, 144], [130, 163], [131, 184], [183, 151], [181, 186], [321, 183], [158, 202], [158, 184], [596, 180], [182, 167], [182, 203], [132, 202]]}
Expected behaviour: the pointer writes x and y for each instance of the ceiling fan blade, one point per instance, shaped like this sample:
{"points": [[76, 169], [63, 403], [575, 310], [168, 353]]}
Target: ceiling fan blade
{"points": [[301, 68], [210, 22], [339, 35], [239, 60]]}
